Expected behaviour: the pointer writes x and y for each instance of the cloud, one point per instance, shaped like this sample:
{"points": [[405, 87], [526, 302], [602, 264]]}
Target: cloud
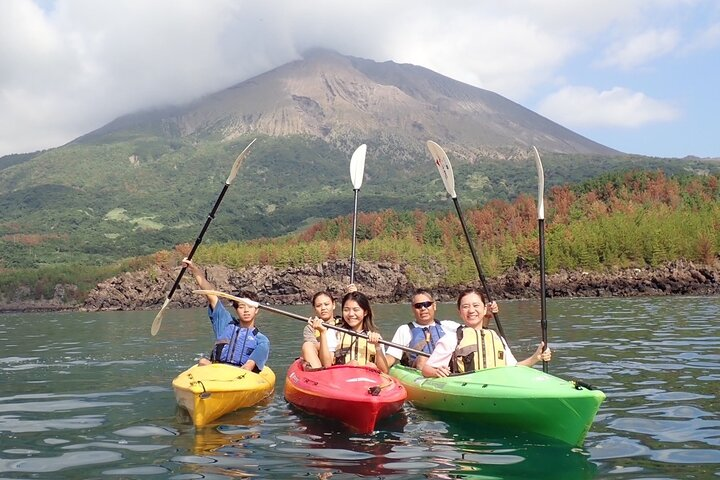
{"points": [[640, 49], [70, 66], [618, 107]]}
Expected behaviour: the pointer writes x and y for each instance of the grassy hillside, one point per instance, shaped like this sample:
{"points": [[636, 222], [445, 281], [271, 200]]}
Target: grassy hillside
{"points": [[626, 219], [133, 194]]}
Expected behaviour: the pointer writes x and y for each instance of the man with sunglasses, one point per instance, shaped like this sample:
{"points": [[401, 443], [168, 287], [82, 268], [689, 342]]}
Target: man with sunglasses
{"points": [[237, 340], [423, 333]]}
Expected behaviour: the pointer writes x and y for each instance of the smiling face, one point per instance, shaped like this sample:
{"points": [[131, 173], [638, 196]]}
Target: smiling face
{"points": [[353, 314], [472, 310], [423, 307], [324, 307]]}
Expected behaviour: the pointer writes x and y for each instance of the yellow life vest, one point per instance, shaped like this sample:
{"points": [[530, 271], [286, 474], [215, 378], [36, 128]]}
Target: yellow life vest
{"points": [[477, 349], [352, 347]]}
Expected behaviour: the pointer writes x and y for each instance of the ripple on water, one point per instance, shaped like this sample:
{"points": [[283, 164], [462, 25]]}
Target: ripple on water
{"points": [[54, 464], [617, 447], [13, 424], [147, 431], [687, 456], [56, 406], [676, 396], [674, 411], [678, 431], [123, 445], [137, 471]]}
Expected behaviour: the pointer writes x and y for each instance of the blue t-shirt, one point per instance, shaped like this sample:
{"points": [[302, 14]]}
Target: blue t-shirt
{"points": [[221, 320]]}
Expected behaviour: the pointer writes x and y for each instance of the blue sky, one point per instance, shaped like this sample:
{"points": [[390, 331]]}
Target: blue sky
{"points": [[639, 76]]}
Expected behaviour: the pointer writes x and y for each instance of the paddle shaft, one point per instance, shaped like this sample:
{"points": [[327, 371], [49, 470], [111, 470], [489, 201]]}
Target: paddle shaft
{"points": [[199, 238], [354, 236], [543, 311], [488, 294], [340, 329]]}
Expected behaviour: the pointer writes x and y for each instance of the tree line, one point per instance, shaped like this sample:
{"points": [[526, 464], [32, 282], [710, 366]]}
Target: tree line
{"points": [[625, 219]]}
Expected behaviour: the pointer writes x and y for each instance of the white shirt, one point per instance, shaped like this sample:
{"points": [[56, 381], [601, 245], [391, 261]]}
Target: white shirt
{"points": [[403, 336], [331, 337], [446, 347]]}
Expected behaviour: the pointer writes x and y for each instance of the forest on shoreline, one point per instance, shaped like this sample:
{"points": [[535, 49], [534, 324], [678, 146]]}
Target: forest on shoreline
{"points": [[625, 220]]}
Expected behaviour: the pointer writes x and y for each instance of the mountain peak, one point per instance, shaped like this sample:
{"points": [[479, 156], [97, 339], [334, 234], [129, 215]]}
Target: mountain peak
{"points": [[343, 99]]}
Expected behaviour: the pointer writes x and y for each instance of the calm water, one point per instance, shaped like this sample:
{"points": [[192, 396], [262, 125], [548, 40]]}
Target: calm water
{"points": [[87, 395]]}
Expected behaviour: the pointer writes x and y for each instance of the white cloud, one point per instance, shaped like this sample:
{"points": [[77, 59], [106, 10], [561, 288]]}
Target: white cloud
{"points": [[640, 49], [617, 107], [74, 65]]}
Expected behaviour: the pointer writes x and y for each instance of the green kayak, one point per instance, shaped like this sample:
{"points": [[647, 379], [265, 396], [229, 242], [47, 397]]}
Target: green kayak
{"points": [[518, 398]]}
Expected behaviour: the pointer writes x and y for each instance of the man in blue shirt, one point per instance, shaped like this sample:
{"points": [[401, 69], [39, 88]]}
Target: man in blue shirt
{"points": [[237, 340]]}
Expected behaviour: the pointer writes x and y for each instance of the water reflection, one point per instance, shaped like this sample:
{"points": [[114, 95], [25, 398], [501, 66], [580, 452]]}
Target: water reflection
{"points": [[329, 447], [462, 451]]}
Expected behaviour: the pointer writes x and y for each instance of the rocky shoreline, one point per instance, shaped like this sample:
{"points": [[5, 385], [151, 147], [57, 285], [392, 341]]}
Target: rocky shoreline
{"points": [[383, 282]]}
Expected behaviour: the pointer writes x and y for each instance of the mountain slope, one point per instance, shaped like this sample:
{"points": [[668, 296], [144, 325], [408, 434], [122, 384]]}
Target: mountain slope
{"points": [[336, 97]]}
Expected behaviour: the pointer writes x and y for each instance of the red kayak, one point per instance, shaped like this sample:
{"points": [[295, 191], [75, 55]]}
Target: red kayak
{"points": [[355, 396]]}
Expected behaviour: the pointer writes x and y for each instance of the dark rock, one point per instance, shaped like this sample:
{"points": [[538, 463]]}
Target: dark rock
{"points": [[386, 282], [383, 282]]}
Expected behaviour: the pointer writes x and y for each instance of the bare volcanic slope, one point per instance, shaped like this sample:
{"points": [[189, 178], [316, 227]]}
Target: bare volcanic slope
{"points": [[343, 99]]}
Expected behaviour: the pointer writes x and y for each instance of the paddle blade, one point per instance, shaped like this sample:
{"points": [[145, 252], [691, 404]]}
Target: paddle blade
{"points": [[442, 162], [357, 166], [541, 185], [158, 319], [238, 162], [233, 298]]}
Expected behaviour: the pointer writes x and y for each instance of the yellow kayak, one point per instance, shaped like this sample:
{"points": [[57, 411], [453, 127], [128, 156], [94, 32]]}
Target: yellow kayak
{"points": [[210, 391]]}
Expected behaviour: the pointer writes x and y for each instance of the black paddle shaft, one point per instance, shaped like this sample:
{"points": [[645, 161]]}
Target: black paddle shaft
{"points": [[198, 240], [488, 294], [543, 311]]}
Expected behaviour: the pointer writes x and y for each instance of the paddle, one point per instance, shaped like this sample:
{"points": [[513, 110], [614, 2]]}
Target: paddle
{"points": [[255, 304], [233, 172], [357, 168], [446, 173], [541, 240]]}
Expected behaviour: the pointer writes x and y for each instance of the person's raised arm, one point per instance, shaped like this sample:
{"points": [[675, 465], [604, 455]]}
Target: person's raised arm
{"points": [[202, 282]]}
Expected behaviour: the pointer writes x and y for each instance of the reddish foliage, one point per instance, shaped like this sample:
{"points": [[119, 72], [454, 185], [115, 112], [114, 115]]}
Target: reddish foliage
{"points": [[33, 239], [562, 200]]}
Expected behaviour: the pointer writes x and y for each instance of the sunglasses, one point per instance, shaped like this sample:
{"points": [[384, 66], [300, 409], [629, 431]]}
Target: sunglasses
{"points": [[420, 305]]}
